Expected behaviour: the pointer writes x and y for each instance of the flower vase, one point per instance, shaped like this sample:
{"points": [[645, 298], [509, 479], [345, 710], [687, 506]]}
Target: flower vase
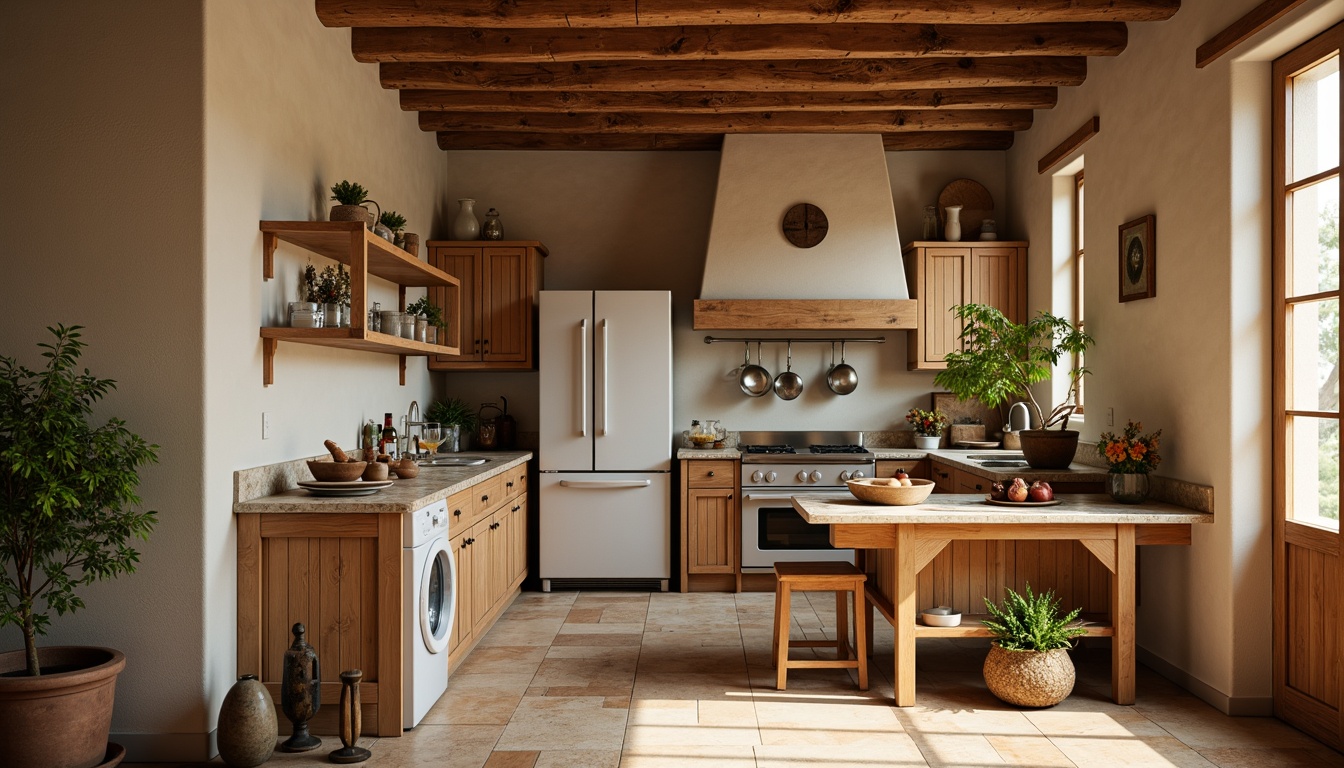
{"points": [[1128, 487], [952, 230], [466, 226], [927, 442]]}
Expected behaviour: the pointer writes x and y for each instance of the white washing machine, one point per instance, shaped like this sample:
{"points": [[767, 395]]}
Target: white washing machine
{"points": [[429, 598]]}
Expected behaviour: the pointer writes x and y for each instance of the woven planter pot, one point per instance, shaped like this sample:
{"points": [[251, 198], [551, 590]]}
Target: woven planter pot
{"points": [[351, 213], [1029, 678]]}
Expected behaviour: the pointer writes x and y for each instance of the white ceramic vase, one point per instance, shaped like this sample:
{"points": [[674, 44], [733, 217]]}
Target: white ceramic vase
{"points": [[952, 230], [927, 443], [466, 226]]}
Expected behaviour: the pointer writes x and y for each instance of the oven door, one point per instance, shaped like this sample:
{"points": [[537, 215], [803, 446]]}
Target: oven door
{"points": [[773, 532]]}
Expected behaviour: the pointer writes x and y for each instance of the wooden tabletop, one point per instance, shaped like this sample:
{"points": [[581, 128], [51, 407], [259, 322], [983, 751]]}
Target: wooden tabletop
{"points": [[972, 509]]}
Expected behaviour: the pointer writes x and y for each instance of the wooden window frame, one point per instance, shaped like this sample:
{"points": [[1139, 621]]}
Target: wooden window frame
{"points": [[1078, 277]]}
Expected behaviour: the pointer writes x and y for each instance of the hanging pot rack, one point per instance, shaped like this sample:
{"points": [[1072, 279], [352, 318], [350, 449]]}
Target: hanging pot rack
{"points": [[828, 340]]}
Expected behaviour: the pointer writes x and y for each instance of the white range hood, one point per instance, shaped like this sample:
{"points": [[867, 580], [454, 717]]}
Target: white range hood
{"points": [[755, 278]]}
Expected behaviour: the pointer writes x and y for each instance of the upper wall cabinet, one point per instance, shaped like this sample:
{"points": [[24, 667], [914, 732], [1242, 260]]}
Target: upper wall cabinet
{"points": [[944, 275], [494, 320]]}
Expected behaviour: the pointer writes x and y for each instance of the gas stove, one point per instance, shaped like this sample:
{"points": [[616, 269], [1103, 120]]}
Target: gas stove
{"points": [[803, 459]]}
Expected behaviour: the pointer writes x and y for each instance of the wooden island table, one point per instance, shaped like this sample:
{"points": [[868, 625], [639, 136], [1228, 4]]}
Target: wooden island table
{"points": [[895, 543]]}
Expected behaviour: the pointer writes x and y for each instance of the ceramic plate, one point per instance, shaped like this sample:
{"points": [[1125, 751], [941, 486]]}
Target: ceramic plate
{"points": [[981, 444], [346, 491], [1006, 503], [336, 485]]}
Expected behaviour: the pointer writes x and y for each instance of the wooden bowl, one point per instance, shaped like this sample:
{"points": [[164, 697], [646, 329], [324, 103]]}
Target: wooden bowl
{"points": [[331, 471], [890, 495], [405, 469]]}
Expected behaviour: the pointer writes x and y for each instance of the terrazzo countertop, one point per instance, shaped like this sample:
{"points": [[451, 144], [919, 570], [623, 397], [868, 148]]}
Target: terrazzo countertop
{"points": [[971, 509], [1076, 473], [405, 495], [728, 454]]}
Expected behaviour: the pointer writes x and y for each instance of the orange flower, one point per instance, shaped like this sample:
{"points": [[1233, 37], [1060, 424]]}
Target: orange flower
{"points": [[1137, 450], [1115, 452]]}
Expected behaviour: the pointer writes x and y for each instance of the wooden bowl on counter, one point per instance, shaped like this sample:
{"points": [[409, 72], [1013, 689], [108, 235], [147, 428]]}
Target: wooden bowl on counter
{"points": [[874, 490], [338, 472]]}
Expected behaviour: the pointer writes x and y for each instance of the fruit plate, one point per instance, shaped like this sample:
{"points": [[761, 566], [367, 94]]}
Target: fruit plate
{"points": [[336, 485], [1007, 503]]}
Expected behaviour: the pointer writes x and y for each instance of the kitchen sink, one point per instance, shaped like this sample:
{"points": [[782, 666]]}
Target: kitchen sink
{"points": [[1000, 455], [454, 461], [1002, 463]]}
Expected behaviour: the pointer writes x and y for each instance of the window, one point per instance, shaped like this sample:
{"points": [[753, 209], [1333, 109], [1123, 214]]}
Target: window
{"points": [[1306, 280], [1078, 276]]}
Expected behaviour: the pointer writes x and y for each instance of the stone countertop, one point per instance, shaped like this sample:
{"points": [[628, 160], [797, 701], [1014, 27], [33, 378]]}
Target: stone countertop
{"points": [[1076, 473], [971, 509], [726, 454], [405, 495]]}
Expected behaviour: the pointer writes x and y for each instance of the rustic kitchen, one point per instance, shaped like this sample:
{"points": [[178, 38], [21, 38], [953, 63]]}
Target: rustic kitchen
{"points": [[630, 384]]}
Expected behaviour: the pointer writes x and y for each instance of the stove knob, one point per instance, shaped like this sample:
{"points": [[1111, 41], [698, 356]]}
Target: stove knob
{"points": [[770, 477], [858, 473], [844, 475], [802, 476], [816, 476], [757, 476]]}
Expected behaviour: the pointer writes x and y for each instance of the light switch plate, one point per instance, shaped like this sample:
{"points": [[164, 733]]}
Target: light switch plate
{"points": [[1110, 417], [265, 425]]}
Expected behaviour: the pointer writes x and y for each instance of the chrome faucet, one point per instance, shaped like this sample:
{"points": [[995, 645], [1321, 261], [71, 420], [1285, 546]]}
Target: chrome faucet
{"points": [[409, 421], [1026, 420]]}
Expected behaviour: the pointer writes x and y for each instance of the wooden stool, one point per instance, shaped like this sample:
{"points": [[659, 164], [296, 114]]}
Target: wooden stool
{"points": [[821, 577]]}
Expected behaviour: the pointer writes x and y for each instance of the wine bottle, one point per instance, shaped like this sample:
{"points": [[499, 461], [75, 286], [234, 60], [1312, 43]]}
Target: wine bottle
{"points": [[388, 443]]}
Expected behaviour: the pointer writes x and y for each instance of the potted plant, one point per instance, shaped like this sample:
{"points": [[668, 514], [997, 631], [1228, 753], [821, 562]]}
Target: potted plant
{"points": [[1130, 457], [457, 419], [395, 223], [329, 289], [1028, 663], [432, 317], [1001, 360], [68, 510], [928, 426], [350, 199]]}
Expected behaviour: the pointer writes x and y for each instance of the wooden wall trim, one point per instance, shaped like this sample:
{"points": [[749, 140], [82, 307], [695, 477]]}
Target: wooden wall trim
{"points": [[1056, 156], [1242, 29]]}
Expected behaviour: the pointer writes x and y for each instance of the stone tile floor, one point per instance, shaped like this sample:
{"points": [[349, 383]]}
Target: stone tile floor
{"points": [[608, 680]]}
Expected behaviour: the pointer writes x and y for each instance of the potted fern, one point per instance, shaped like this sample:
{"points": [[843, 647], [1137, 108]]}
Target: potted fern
{"points": [[1028, 663], [457, 419], [68, 513], [350, 199], [1001, 360]]}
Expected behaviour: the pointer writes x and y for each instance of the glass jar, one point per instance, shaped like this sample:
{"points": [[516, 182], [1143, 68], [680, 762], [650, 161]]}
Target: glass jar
{"points": [[930, 222], [1128, 487], [407, 326], [389, 322], [304, 314], [492, 229]]}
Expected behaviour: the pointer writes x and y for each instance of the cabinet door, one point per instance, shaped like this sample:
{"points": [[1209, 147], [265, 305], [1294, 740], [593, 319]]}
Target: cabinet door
{"points": [[915, 469], [482, 586], [999, 279], [943, 476], [711, 531], [462, 618], [464, 316], [517, 539], [500, 555], [946, 275], [969, 483], [506, 305]]}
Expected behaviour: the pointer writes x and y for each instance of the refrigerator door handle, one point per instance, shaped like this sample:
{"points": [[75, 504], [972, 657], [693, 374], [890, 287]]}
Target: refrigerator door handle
{"points": [[583, 378], [601, 428], [606, 483]]}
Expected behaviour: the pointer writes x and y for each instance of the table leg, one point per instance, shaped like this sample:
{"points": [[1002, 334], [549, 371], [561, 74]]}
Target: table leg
{"points": [[784, 623], [903, 606], [1122, 616]]}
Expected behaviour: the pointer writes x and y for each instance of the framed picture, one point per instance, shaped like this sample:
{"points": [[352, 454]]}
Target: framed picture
{"points": [[1138, 259]]}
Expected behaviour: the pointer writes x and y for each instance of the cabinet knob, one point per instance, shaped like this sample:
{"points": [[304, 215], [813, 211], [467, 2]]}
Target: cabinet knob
{"points": [[487, 498], [979, 487], [509, 484], [465, 543], [515, 508], [457, 513], [493, 526], [711, 473]]}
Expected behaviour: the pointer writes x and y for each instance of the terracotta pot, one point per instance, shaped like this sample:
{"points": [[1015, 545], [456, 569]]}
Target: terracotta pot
{"points": [[1049, 448], [351, 213], [59, 719], [1029, 678]]}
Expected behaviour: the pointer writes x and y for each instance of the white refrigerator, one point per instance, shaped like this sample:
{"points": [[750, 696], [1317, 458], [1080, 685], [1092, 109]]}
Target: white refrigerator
{"points": [[605, 451]]}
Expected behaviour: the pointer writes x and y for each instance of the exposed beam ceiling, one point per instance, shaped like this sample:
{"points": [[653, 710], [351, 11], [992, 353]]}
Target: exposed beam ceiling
{"points": [[678, 74]]}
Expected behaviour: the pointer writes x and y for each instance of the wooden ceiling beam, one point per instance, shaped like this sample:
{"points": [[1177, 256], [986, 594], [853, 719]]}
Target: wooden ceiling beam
{"points": [[664, 13], [737, 122], [737, 43], [859, 75], [727, 101], [900, 142]]}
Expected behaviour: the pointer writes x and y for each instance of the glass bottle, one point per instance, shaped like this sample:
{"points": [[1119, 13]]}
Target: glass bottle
{"points": [[930, 222], [492, 229], [388, 442]]}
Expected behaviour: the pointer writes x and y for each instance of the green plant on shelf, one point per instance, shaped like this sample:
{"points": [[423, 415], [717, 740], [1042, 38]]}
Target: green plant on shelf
{"points": [[452, 411], [348, 193], [1032, 622], [427, 309], [393, 221]]}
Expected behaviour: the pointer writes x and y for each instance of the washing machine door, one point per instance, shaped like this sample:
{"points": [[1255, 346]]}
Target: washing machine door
{"points": [[438, 596]]}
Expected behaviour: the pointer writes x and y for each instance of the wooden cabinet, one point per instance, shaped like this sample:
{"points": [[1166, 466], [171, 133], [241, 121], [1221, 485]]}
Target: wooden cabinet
{"points": [[518, 538], [710, 523], [493, 316], [367, 255], [461, 546], [918, 468], [944, 275], [943, 476]]}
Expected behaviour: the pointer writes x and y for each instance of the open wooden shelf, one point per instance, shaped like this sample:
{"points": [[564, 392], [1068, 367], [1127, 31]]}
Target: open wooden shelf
{"points": [[971, 626], [357, 338], [336, 239], [805, 314]]}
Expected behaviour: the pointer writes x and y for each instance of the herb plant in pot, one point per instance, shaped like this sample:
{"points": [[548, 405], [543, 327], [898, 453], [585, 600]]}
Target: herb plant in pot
{"points": [[68, 511], [350, 199], [429, 320], [457, 419], [1001, 360], [1028, 663]]}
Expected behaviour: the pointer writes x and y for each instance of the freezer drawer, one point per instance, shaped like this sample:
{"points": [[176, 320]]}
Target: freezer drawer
{"points": [[605, 525]]}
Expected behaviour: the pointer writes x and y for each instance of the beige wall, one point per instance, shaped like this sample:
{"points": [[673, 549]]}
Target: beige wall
{"points": [[640, 220], [153, 137], [103, 168], [1190, 146]]}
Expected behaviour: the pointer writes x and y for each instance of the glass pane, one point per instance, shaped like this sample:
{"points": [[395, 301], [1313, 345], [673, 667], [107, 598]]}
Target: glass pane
{"points": [[1078, 224], [437, 577], [1315, 119], [1313, 355], [1314, 247], [1313, 470]]}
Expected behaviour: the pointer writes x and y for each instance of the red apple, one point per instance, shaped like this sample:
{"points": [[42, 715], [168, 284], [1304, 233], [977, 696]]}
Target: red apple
{"points": [[1040, 491], [997, 492], [1018, 490], [900, 474]]}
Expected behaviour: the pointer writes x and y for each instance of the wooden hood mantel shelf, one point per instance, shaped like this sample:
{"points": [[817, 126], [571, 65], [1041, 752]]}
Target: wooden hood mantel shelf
{"points": [[806, 314]]}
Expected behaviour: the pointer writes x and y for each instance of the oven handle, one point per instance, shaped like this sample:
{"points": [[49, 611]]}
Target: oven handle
{"points": [[606, 483], [768, 496]]}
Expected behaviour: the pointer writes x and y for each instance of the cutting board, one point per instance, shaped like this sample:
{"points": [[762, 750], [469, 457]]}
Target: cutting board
{"points": [[976, 206]]}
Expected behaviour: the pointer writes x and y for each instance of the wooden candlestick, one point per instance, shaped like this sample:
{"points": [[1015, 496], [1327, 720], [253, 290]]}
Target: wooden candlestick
{"points": [[350, 720], [300, 693]]}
